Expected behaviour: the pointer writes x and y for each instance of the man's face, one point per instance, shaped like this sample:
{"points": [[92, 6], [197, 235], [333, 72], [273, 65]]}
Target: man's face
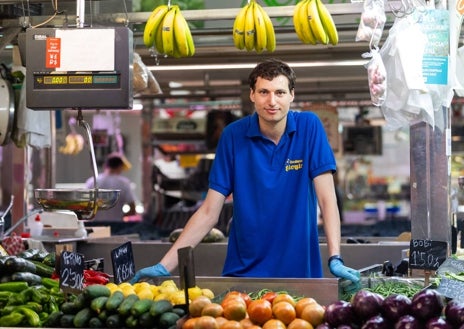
{"points": [[272, 99]]}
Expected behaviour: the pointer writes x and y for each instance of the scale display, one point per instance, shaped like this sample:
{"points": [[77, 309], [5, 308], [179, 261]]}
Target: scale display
{"points": [[77, 81], [86, 68]]}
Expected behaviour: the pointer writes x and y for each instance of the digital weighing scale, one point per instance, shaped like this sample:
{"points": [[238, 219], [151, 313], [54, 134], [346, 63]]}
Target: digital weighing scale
{"points": [[85, 68]]}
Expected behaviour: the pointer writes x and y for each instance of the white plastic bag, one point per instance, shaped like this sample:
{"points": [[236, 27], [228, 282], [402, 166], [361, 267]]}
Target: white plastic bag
{"points": [[372, 22], [377, 77]]}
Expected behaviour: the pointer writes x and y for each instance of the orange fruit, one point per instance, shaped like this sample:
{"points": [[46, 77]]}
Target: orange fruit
{"points": [[313, 313], [231, 324], [246, 323], [259, 311], [299, 324], [235, 310], [213, 309], [197, 305], [221, 320], [284, 311], [206, 322], [284, 297], [274, 324], [300, 305], [189, 323]]}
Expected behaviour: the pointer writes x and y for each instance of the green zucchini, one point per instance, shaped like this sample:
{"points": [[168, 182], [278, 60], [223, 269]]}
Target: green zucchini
{"points": [[114, 321], [96, 290], [113, 302], [98, 304], [18, 264], [125, 307], [42, 269], [82, 318]]}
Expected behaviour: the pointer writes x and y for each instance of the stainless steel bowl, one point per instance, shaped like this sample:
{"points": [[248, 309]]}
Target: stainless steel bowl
{"points": [[84, 202]]}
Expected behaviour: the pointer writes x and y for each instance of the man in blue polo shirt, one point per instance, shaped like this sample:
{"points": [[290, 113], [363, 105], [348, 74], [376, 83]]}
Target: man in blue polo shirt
{"points": [[278, 165]]}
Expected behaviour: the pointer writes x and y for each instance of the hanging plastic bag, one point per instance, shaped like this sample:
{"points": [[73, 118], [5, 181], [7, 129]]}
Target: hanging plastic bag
{"points": [[372, 22], [377, 77]]}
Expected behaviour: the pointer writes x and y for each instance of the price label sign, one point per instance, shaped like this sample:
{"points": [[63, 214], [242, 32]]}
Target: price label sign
{"points": [[453, 289], [71, 271], [122, 258], [427, 254]]}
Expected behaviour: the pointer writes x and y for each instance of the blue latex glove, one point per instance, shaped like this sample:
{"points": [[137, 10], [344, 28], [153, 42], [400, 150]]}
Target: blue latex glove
{"points": [[351, 278], [150, 272]]}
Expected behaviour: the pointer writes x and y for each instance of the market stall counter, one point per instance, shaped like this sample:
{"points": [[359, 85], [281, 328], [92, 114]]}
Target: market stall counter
{"points": [[209, 257]]}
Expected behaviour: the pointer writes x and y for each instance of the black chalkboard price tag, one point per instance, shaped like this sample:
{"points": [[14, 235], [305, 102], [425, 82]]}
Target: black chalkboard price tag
{"points": [[451, 288], [122, 258], [71, 271], [427, 254]]}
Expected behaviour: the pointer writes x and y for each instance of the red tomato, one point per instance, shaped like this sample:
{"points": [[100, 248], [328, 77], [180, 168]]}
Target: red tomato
{"points": [[269, 296]]}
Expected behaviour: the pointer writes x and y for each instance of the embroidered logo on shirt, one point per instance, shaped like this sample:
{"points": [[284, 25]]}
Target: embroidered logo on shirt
{"points": [[293, 165]]}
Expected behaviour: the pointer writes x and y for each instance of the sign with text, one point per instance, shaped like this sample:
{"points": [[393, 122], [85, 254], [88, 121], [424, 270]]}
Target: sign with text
{"points": [[427, 254], [122, 258], [451, 288], [71, 271]]}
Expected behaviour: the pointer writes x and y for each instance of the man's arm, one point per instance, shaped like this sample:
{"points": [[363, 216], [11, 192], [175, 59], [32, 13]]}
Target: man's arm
{"points": [[325, 191]]}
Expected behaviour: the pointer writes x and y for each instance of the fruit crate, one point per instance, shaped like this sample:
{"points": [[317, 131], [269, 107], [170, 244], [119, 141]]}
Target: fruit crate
{"points": [[323, 290]]}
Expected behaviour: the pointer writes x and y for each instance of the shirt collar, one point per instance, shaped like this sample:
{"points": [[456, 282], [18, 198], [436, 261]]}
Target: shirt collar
{"points": [[253, 130]]}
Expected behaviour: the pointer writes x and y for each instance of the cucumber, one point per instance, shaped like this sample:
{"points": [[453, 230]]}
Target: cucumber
{"points": [[132, 322], [179, 310], [53, 319], [98, 304], [168, 319], [114, 321], [80, 301], [160, 306], [141, 306], [69, 308], [95, 322], [96, 290], [126, 305], [113, 302], [50, 259], [67, 321], [146, 320], [82, 318]]}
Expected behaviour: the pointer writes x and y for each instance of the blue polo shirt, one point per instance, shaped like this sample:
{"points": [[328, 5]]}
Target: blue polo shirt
{"points": [[274, 228]]}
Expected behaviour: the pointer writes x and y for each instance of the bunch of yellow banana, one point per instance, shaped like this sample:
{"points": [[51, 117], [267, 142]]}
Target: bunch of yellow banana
{"points": [[253, 29], [74, 144], [169, 32], [313, 23]]}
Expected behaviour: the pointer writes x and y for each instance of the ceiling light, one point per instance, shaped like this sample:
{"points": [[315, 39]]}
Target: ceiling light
{"points": [[252, 65]]}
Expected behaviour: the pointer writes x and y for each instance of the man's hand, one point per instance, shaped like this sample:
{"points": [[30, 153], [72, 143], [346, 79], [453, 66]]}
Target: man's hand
{"points": [[352, 277], [150, 272]]}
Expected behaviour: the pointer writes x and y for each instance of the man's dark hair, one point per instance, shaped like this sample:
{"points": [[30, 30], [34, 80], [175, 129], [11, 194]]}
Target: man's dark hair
{"points": [[114, 162], [271, 68]]}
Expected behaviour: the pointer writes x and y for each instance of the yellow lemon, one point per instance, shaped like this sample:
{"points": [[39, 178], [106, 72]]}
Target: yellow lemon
{"points": [[155, 290], [161, 297], [178, 297], [207, 292], [168, 283], [145, 294], [128, 290], [122, 285], [194, 292], [167, 289], [141, 286]]}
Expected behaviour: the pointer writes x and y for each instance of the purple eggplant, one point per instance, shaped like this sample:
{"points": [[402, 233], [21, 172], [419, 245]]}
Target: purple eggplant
{"points": [[437, 323], [376, 322], [323, 326], [338, 313], [427, 304], [408, 322], [366, 304], [395, 306], [454, 313]]}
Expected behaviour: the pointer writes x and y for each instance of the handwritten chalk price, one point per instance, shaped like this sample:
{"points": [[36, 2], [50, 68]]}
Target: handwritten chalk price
{"points": [[71, 271], [123, 263], [427, 254]]}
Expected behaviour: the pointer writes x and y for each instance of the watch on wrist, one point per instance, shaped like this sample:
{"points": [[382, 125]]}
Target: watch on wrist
{"points": [[331, 258]]}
